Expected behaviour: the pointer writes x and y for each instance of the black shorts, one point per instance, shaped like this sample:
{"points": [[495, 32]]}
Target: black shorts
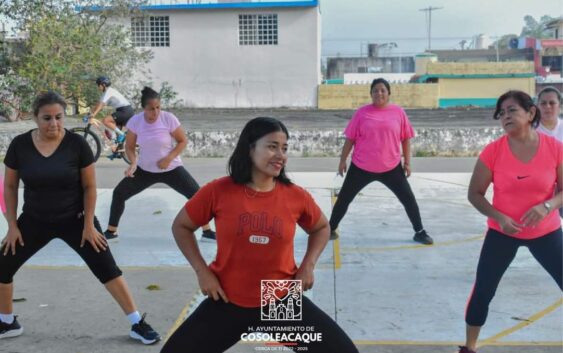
{"points": [[122, 115]]}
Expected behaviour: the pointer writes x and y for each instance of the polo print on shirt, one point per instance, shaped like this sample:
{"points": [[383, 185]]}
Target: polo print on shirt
{"points": [[261, 226]]}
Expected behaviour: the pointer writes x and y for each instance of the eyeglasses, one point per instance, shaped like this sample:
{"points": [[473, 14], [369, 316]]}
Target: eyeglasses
{"points": [[502, 113]]}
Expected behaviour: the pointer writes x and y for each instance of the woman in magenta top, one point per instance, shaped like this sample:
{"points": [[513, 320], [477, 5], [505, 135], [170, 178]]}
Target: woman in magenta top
{"points": [[524, 167], [377, 132]]}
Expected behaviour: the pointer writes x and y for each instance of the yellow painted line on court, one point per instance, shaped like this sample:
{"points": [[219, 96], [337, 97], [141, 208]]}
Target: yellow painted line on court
{"points": [[523, 324], [335, 243], [393, 198], [336, 253], [452, 343], [182, 316], [405, 343], [526, 344], [127, 268], [404, 247], [442, 181]]}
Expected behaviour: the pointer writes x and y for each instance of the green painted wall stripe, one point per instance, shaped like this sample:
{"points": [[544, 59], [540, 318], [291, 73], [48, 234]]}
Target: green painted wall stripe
{"points": [[473, 76], [462, 102], [334, 81]]}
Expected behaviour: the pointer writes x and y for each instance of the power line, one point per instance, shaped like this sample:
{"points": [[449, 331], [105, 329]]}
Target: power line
{"points": [[428, 11]]}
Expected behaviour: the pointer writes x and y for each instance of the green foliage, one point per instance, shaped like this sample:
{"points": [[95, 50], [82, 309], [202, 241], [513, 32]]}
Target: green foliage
{"points": [[67, 47], [535, 28], [532, 28], [503, 42], [166, 91]]}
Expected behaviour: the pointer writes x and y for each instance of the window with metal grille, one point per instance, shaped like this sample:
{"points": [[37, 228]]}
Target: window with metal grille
{"points": [[258, 29], [151, 31]]}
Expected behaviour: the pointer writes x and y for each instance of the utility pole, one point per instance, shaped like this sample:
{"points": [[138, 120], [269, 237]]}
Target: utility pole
{"points": [[428, 11]]}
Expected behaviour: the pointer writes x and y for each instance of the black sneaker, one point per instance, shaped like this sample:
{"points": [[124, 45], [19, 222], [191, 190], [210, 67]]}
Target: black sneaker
{"points": [[110, 235], [423, 238], [10, 330], [209, 235], [334, 234], [143, 332]]}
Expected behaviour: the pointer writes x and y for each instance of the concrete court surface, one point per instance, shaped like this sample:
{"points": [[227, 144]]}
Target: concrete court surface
{"points": [[388, 293]]}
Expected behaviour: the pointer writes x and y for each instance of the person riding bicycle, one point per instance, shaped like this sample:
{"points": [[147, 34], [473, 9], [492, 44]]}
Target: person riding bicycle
{"points": [[123, 110]]}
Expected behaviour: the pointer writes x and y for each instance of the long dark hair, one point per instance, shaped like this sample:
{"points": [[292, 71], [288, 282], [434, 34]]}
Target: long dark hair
{"points": [[524, 101], [240, 163]]}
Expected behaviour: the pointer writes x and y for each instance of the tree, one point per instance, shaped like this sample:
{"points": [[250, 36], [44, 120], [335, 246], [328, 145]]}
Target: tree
{"points": [[534, 28], [67, 47], [504, 41]]}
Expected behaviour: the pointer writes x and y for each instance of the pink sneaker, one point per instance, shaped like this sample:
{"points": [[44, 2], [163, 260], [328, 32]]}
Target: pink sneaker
{"points": [[464, 349]]}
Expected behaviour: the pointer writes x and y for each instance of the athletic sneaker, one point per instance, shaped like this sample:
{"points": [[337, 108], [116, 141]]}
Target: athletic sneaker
{"points": [[465, 350], [114, 155], [120, 138], [334, 234], [10, 330], [110, 235], [143, 332], [423, 238], [209, 235]]}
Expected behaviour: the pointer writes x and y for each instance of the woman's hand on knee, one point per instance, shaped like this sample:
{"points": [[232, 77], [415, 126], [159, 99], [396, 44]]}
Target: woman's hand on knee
{"points": [[305, 273], [92, 236], [130, 171], [9, 243], [210, 285], [407, 169], [342, 167]]}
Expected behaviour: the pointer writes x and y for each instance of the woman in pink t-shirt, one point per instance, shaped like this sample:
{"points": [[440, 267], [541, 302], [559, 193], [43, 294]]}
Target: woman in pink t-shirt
{"points": [[524, 167], [377, 132], [161, 139]]}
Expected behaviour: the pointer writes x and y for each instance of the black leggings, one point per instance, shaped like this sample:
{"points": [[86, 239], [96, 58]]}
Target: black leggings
{"points": [[395, 180], [178, 179], [216, 326], [36, 234], [496, 255]]}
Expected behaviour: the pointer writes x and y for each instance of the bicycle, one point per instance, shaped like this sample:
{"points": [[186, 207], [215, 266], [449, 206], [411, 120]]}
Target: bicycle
{"points": [[92, 137]]}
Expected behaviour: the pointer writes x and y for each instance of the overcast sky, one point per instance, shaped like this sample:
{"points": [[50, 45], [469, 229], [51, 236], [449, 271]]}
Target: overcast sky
{"points": [[348, 25]]}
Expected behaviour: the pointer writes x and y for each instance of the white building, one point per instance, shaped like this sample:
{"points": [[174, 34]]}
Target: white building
{"points": [[235, 54]]}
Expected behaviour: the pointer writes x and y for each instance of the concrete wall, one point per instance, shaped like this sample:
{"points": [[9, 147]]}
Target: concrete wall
{"points": [[483, 87], [354, 96], [481, 68], [329, 142], [208, 68], [482, 92]]}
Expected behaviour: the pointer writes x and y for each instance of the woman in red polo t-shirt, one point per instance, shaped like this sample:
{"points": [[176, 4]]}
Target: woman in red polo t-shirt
{"points": [[524, 167], [256, 209]]}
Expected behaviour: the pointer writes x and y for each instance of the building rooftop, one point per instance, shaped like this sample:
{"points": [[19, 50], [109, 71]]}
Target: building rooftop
{"points": [[221, 4]]}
